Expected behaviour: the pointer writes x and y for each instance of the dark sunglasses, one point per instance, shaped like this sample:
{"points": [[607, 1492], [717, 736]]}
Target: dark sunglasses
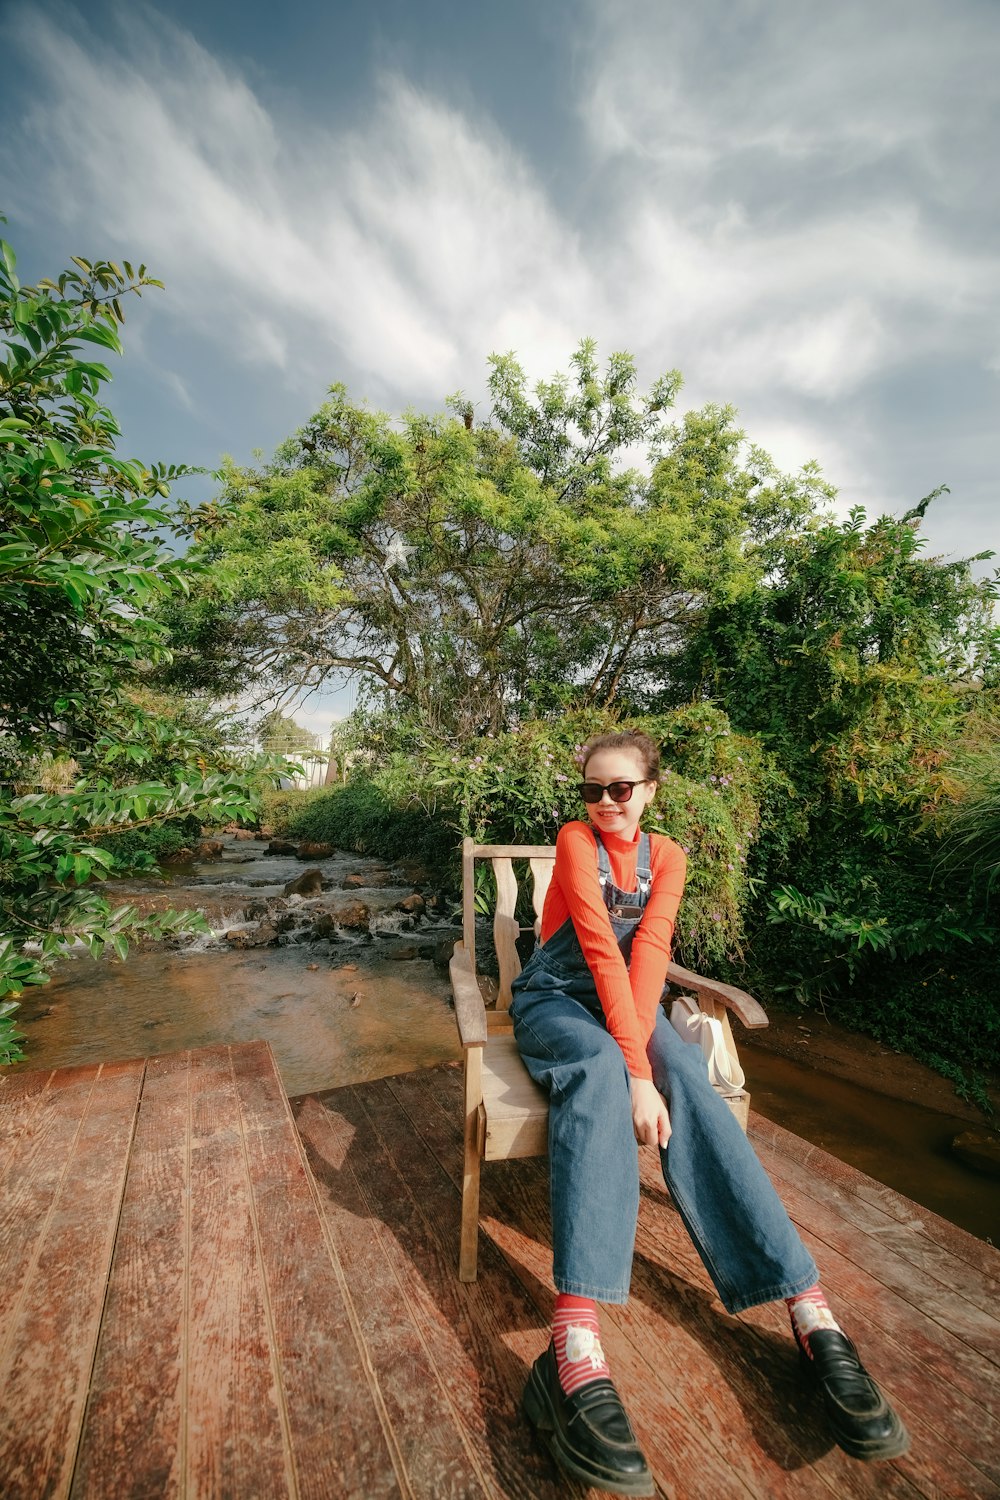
{"points": [[618, 791]]}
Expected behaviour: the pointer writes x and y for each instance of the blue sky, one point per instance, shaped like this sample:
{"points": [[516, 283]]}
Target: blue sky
{"points": [[793, 202]]}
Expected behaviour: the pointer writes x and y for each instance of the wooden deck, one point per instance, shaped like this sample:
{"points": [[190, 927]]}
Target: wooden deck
{"points": [[187, 1310]]}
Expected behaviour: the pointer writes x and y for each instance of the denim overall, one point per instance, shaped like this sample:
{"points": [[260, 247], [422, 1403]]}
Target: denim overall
{"points": [[722, 1193]]}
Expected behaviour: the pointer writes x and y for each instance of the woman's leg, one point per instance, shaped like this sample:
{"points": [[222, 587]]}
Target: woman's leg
{"points": [[593, 1157], [750, 1248], [594, 1184], [738, 1223]]}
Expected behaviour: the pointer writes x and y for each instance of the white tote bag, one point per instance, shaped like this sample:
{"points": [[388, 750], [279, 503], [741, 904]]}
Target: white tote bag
{"points": [[693, 1025]]}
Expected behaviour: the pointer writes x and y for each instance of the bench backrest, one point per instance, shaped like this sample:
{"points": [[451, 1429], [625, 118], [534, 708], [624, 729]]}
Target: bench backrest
{"points": [[506, 930]]}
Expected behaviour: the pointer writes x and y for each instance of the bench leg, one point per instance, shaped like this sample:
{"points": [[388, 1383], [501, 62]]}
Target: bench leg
{"points": [[740, 1106], [468, 1254]]}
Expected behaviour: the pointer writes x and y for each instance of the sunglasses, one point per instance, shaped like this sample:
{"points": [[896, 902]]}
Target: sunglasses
{"points": [[618, 791]]}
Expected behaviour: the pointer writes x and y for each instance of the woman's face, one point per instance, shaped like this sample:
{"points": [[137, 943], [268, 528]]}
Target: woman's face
{"points": [[620, 818]]}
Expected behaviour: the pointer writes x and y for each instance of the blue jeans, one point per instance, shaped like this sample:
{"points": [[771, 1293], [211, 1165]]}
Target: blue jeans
{"points": [[729, 1207]]}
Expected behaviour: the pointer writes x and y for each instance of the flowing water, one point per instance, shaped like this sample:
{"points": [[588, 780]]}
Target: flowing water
{"points": [[365, 1003]]}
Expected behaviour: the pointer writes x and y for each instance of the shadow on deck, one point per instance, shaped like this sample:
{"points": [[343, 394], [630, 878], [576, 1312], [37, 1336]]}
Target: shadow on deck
{"points": [[186, 1309]]}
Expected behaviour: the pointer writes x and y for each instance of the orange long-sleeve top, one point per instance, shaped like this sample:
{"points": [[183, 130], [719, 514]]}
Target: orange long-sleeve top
{"points": [[629, 994]]}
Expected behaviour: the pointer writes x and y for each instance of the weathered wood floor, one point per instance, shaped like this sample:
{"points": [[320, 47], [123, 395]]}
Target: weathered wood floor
{"points": [[187, 1310]]}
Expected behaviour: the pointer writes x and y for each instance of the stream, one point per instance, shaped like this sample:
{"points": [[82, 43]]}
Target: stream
{"points": [[347, 985]]}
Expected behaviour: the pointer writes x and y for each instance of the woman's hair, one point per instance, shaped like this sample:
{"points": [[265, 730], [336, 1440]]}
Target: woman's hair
{"points": [[646, 749]]}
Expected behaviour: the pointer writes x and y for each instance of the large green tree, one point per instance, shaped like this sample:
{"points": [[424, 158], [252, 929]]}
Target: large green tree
{"points": [[81, 565], [477, 573]]}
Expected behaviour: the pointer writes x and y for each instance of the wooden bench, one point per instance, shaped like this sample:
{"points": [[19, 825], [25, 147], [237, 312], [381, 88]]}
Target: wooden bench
{"points": [[506, 1113]]}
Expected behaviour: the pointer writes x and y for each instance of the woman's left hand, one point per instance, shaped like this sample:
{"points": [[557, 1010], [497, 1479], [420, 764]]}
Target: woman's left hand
{"points": [[650, 1117]]}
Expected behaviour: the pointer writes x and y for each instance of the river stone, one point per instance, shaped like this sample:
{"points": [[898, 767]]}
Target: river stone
{"points": [[353, 915], [243, 834], [179, 857], [281, 846], [313, 851], [367, 880], [261, 937], [442, 954], [208, 849], [413, 904], [403, 954], [979, 1149], [309, 883]]}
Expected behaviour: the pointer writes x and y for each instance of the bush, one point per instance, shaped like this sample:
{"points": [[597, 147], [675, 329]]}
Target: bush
{"points": [[142, 848], [280, 808], [363, 817], [417, 797]]}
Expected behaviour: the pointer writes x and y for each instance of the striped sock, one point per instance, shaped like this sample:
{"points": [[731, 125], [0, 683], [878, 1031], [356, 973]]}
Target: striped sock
{"points": [[810, 1312], [576, 1335]]}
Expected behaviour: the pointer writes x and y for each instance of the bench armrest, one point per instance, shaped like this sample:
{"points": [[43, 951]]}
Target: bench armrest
{"points": [[470, 1010], [743, 1006]]}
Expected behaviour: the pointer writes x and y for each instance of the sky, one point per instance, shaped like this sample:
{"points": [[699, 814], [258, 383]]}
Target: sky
{"points": [[795, 203]]}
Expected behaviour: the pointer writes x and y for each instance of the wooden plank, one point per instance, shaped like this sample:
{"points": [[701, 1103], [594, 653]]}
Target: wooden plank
{"points": [[904, 1250], [936, 1466], [541, 876], [931, 1301], [133, 1439], [20, 1096], [337, 1439], [39, 1130], [514, 851], [505, 929], [431, 1453], [749, 1010], [51, 1331], [236, 1432], [517, 1110], [982, 1258], [482, 1337], [469, 901]]}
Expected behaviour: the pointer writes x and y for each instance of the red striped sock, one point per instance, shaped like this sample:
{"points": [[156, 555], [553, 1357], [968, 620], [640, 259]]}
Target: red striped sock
{"points": [[810, 1312], [576, 1335]]}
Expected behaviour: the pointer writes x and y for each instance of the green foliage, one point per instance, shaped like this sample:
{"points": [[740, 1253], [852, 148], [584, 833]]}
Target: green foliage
{"points": [[479, 576], [366, 818], [417, 797], [280, 735], [970, 845], [280, 808], [81, 567]]}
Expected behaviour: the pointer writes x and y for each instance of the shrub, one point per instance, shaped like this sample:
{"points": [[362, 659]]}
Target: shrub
{"points": [[418, 797]]}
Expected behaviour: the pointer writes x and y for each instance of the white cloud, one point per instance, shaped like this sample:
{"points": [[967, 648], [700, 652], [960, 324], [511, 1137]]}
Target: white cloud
{"points": [[413, 246], [788, 202]]}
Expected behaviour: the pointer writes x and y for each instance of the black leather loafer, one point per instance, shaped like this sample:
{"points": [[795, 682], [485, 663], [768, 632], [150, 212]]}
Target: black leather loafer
{"points": [[863, 1422], [588, 1433]]}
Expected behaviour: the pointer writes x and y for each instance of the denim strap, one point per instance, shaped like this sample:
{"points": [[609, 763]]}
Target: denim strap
{"points": [[643, 867]]}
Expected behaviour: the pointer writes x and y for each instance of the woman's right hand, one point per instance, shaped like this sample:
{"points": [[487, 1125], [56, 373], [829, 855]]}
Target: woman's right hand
{"points": [[650, 1117]]}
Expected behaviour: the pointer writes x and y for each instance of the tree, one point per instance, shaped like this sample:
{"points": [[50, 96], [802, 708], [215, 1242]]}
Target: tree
{"points": [[481, 574], [81, 563], [855, 655], [280, 735]]}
